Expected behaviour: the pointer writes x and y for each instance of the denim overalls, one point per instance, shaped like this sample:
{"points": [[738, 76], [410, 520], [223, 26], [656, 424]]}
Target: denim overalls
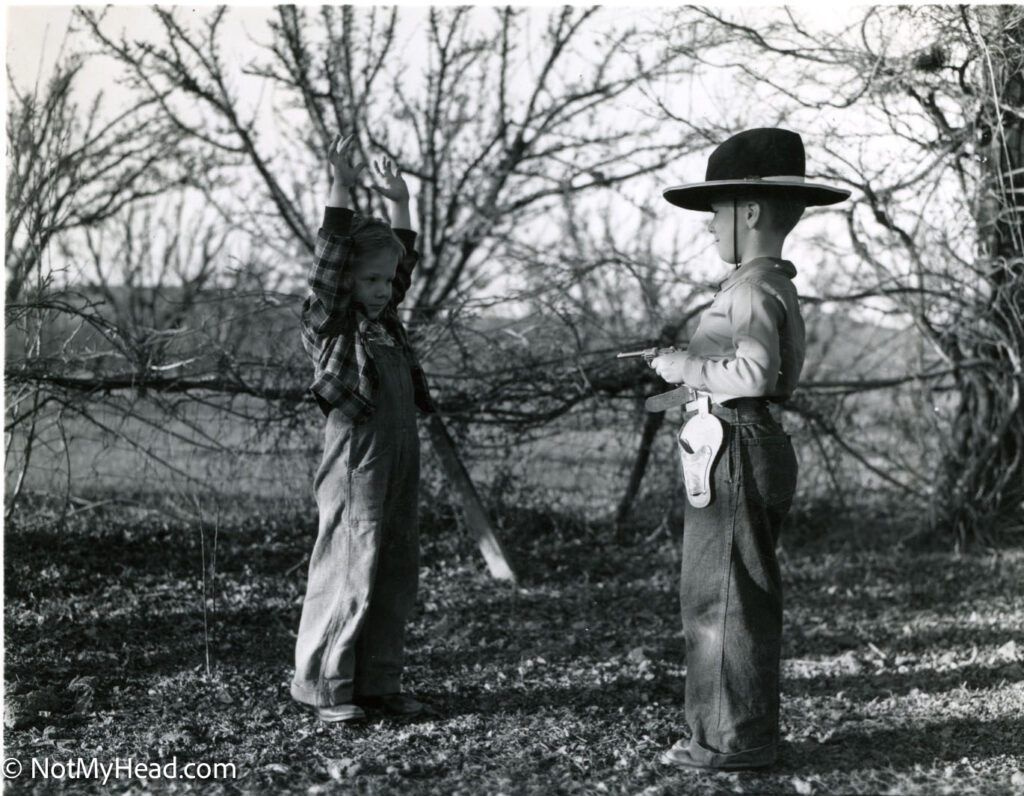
{"points": [[364, 569]]}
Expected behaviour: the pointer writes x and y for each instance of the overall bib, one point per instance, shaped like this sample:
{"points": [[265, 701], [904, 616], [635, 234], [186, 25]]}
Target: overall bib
{"points": [[364, 569]]}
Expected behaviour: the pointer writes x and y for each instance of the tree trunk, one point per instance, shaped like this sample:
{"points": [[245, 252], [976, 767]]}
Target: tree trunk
{"points": [[468, 499], [981, 480], [652, 424]]}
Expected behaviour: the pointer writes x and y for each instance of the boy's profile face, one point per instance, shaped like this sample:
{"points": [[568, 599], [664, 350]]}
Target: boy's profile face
{"points": [[722, 227], [372, 277]]}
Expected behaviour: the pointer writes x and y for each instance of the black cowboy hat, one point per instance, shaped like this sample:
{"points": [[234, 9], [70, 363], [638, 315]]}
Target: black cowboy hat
{"points": [[766, 159]]}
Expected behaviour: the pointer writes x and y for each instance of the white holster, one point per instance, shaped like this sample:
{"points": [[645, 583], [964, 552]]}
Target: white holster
{"points": [[700, 441]]}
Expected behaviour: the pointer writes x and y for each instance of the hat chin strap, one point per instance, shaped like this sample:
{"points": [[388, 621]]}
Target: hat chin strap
{"points": [[735, 235]]}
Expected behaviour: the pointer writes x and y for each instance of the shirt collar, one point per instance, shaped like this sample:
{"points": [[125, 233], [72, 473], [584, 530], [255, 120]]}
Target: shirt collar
{"points": [[763, 265]]}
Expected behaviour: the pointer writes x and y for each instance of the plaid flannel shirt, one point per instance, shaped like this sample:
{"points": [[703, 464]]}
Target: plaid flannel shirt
{"points": [[334, 332]]}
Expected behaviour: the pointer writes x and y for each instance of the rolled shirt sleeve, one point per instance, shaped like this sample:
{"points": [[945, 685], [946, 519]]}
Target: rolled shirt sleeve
{"points": [[403, 274], [329, 295]]}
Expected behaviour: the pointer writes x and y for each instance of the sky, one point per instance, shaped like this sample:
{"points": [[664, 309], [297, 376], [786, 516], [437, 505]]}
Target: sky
{"points": [[36, 33]]}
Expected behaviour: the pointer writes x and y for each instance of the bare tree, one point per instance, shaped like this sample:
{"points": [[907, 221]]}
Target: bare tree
{"points": [[506, 131], [70, 167], [538, 264], [494, 141], [140, 350]]}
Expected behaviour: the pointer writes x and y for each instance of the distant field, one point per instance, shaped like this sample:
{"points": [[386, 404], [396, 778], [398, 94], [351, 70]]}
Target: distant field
{"points": [[586, 468], [581, 463], [151, 452]]}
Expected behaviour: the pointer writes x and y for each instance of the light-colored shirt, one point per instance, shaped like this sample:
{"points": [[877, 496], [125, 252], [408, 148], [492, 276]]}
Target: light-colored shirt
{"points": [[750, 341]]}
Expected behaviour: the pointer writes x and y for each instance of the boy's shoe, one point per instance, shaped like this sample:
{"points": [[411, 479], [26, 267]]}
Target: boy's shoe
{"points": [[394, 704], [344, 713], [679, 755]]}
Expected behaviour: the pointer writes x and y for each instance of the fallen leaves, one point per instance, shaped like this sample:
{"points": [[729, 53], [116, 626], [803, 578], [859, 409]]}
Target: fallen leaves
{"points": [[342, 768], [802, 786], [574, 683], [1009, 651]]}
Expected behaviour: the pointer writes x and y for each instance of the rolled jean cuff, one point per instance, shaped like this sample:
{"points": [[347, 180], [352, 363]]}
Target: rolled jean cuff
{"points": [[756, 757], [322, 694]]}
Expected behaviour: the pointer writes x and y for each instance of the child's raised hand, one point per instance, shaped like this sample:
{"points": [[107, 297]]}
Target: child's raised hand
{"points": [[670, 366], [394, 187], [340, 157]]}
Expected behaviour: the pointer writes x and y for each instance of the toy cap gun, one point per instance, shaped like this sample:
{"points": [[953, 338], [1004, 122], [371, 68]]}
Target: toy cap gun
{"points": [[648, 353]]}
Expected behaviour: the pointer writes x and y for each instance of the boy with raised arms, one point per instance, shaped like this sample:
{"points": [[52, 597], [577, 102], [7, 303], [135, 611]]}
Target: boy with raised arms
{"points": [[364, 568]]}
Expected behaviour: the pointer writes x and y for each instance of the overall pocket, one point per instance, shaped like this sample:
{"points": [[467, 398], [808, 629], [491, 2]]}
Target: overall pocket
{"points": [[366, 491], [770, 467], [370, 446]]}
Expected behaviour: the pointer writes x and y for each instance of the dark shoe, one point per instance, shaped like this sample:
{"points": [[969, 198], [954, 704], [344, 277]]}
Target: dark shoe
{"points": [[345, 713], [394, 705], [679, 755]]}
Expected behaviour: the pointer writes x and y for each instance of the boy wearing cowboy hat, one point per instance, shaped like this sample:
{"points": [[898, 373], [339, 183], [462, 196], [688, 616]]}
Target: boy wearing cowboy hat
{"points": [[747, 351]]}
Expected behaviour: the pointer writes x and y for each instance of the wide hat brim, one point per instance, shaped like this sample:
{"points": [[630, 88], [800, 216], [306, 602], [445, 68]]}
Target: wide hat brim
{"points": [[700, 195]]}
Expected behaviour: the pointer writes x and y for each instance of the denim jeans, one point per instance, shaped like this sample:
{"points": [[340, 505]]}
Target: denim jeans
{"points": [[731, 592], [364, 569]]}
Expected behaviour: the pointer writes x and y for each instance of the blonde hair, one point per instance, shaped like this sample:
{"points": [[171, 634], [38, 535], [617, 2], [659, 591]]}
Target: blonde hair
{"points": [[370, 235]]}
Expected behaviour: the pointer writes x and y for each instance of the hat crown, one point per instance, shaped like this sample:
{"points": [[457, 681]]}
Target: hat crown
{"points": [[763, 160], [758, 153]]}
